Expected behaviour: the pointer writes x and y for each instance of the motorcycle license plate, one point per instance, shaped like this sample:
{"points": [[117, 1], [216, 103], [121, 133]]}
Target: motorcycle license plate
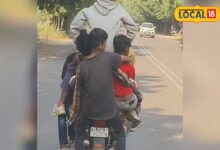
{"points": [[99, 132]]}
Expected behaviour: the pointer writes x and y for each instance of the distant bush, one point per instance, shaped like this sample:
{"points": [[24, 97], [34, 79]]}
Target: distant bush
{"points": [[46, 29]]}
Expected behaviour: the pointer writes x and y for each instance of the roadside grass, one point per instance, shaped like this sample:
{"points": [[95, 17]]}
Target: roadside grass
{"points": [[48, 32]]}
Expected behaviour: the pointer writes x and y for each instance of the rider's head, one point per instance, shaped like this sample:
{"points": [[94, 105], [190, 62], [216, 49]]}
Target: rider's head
{"points": [[122, 44], [97, 39]]}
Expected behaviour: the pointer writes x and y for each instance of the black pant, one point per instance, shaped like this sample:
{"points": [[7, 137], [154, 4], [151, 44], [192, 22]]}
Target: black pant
{"points": [[63, 127], [84, 122]]}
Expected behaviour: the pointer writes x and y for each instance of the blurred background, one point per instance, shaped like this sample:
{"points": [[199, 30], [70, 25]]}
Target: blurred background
{"points": [[18, 74], [201, 80]]}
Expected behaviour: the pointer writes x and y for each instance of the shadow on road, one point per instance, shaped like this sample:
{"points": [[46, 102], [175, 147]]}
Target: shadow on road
{"points": [[137, 48], [149, 84], [159, 132], [150, 48]]}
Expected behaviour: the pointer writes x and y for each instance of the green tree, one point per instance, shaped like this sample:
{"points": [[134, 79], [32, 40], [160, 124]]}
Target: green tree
{"points": [[63, 11], [159, 12]]}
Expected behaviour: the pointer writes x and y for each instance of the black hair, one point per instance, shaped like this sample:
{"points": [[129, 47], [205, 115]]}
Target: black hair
{"points": [[82, 42], [85, 42], [96, 37], [121, 42]]}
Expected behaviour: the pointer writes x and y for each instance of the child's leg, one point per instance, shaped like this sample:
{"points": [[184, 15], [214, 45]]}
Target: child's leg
{"points": [[71, 132], [139, 96], [133, 117], [129, 111], [138, 93], [62, 129], [129, 107]]}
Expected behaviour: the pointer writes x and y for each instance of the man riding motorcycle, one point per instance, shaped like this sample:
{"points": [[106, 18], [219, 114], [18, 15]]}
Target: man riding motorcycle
{"points": [[94, 95]]}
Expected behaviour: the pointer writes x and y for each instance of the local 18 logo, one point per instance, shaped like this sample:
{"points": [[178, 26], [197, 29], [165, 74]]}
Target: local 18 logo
{"points": [[197, 14]]}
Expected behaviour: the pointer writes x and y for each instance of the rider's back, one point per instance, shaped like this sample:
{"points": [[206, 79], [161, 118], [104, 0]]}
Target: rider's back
{"points": [[107, 15], [96, 86]]}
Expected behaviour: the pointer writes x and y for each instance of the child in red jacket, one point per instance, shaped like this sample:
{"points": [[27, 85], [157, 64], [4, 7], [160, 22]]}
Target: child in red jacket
{"points": [[127, 100]]}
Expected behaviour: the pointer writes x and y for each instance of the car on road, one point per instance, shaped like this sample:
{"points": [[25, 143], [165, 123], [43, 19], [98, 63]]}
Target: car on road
{"points": [[147, 29]]}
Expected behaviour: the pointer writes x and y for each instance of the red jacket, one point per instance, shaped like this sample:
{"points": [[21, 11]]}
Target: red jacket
{"points": [[120, 90]]}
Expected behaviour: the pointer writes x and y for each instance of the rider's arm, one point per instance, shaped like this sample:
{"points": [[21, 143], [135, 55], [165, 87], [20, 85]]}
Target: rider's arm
{"points": [[63, 98], [122, 73], [125, 59], [74, 109], [129, 24], [77, 24], [65, 87]]}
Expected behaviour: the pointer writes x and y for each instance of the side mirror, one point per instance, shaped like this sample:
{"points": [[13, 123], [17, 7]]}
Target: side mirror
{"points": [[155, 27]]}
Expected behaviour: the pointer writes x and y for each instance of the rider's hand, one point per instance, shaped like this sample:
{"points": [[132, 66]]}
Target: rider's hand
{"points": [[133, 83], [60, 103]]}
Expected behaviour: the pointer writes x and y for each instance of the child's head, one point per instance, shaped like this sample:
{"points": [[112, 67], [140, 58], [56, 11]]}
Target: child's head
{"points": [[82, 43], [95, 40], [122, 44]]}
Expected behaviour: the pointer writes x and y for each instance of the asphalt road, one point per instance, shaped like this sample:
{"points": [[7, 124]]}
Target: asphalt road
{"points": [[159, 75]]}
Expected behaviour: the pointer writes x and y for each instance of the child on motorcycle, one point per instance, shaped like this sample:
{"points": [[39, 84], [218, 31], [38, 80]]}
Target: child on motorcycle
{"points": [[65, 101], [127, 99]]}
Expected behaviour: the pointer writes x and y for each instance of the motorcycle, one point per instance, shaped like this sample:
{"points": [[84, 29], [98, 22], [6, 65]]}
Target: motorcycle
{"points": [[100, 136]]}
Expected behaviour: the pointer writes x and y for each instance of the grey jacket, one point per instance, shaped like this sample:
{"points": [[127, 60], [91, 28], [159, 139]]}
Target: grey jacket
{"points": [[107, 15]]}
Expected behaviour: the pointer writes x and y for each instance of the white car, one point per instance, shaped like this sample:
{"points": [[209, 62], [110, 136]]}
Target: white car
{"points": [[147, 29]]}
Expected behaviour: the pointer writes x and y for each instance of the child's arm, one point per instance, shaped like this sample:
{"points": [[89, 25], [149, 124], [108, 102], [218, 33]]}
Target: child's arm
{"points": [[125, 59], [123, 78], [72, 81], [63, 98]]}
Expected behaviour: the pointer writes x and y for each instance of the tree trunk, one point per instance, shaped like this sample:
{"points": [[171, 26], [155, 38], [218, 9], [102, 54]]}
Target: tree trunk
{"points": [[58, 23], [62, 23], [165, 28]]}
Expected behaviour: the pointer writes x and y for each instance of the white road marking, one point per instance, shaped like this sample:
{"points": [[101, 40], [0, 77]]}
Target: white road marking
{"points": [[149, 56], [163, 65]]}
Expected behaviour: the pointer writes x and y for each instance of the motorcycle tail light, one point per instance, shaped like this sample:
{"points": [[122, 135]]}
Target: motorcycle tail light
{"points": [[99, 146], [99, 123]]}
